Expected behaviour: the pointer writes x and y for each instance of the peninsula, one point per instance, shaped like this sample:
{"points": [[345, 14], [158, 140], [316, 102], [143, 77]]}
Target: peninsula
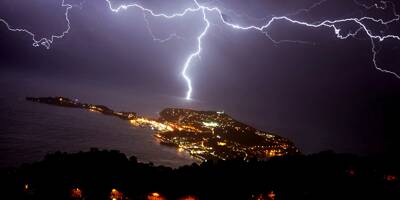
{"points": [[206, 135]]}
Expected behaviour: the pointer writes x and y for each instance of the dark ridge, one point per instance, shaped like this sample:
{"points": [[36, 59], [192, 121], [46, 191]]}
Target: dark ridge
{"points": [[101, 174]]}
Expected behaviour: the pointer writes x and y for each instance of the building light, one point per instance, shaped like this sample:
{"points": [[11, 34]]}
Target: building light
{"points": [[27, 188], [76, 193], [210, 124], [155, 196], [390, 178], [271, 195], [116, 195], [221, 143]]}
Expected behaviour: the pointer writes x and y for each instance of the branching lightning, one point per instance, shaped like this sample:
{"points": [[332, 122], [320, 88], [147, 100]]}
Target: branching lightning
{"points": [[46, 42], [205, 10]]}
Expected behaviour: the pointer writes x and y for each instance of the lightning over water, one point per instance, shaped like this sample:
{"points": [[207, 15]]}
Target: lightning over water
{"points": [[206, 10]]}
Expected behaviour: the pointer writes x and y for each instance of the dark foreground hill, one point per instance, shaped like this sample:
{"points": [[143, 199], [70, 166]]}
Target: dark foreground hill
{"points": [[111, 175]]}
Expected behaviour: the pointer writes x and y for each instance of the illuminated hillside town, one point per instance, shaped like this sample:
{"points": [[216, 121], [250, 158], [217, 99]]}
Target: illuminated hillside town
{"points": [[206, 135]]}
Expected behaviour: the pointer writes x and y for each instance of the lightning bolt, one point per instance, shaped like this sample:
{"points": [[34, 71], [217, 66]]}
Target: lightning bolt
{"points": [[197, 53], [156, 39], [206, 9], [46, 42]]}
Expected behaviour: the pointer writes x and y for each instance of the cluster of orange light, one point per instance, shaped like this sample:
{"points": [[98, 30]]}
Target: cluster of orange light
{"points": [[191, 128], [158, 196], [270, 196], [95, 109], [152, 123], [274, 152], [155, 196], [76, 193], [183, 127], [116, 195]]}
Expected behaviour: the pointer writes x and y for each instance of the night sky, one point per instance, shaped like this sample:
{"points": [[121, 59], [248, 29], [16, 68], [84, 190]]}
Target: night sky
{"points": [[324, 94]]}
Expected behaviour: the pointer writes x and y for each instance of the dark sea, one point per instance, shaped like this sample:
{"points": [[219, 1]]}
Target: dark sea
{"points": [[29, 131]]}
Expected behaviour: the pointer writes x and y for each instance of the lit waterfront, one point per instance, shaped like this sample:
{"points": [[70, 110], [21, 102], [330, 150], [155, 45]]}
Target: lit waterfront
{"points": [[208, 135], [204, 134], [33, 130]]}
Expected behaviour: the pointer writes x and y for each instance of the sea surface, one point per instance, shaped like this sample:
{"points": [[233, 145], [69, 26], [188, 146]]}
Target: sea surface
{"points": [[28, 131]]}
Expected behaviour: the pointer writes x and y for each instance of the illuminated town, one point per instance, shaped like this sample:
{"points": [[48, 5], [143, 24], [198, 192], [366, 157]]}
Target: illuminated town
{"points": [[206, 135]]}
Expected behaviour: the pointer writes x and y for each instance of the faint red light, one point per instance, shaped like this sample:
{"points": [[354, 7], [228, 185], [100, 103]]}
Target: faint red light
{"points": [[271, 195], [351, 172], [390, 178], [189, 198]]}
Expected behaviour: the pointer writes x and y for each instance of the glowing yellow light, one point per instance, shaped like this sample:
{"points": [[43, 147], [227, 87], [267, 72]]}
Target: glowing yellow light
{"points": [[152, 124], [116, 195], [155, 196], [221, 143]]}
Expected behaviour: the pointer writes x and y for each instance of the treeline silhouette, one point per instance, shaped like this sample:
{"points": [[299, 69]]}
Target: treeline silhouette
{"points": [[101, 174]]}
